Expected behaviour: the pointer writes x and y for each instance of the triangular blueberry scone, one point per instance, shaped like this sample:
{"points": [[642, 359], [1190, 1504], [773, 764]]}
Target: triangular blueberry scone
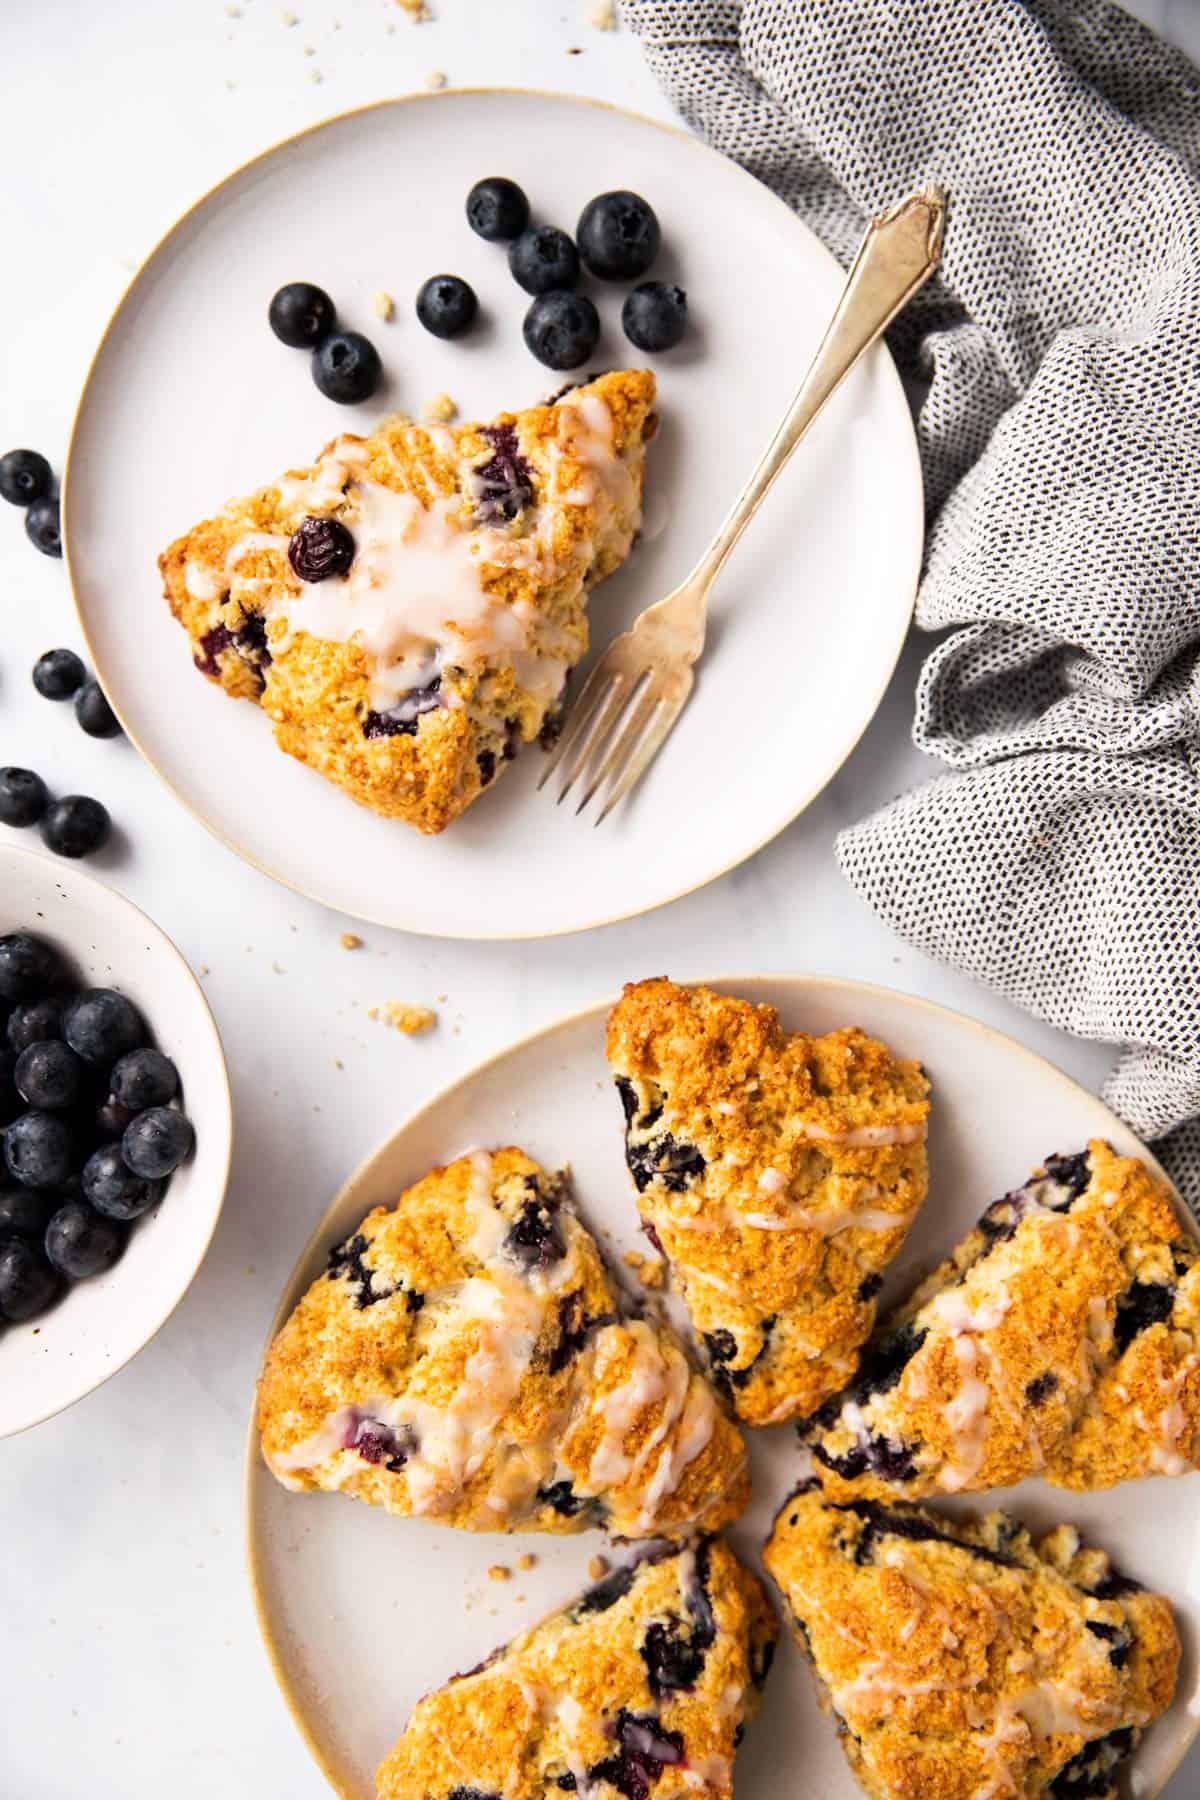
{"points": [[960, 1659], [777, 1173], [466, 1357], [407, 609], [1062, 1337], [639, 1691]]}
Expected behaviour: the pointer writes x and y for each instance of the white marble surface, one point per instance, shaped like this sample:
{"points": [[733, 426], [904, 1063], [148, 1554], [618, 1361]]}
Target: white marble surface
{"points": [[129, 1655]]}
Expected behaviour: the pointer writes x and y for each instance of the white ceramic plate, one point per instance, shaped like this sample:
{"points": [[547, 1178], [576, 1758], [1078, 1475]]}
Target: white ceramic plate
{"points": [[191, 400], [52, 1361], [363, 1613]]}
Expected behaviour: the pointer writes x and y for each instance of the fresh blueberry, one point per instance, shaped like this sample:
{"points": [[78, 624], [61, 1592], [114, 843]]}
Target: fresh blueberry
{"points": [[446, 305], [504, 483], [145, 1078], [95, 715], [346, 367], [301, 315], [27, 967], [113, 1189], [34, 1023], [112, 1116], [49, 1075], [320, 548], [57, 674], [101, 1025], [81, 1243], [75, 826], [28, 1284], [618, 235], [497, 209], [24, 1212], [42, 527], [562, 329], [543, 258], [23, 796], [38, 1149], [654, 316], [24, 477], [156, 1142]]}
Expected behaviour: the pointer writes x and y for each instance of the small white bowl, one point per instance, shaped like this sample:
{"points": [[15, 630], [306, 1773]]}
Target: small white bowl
{"points": [[52, 1361]]}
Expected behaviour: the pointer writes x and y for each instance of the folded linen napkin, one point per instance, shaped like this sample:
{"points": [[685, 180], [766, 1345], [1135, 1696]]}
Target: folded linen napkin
{"points": [[1060, 439]]}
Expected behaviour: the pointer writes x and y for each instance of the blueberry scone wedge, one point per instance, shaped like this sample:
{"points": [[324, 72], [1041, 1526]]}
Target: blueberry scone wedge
{"points": [[466, 1357], [1062, 1337], [640, 1690], [960, 1659], [778, 1173], [406, 610]]}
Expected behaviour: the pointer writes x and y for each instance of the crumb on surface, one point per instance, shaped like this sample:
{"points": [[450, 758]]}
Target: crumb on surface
{"points": [[314, 74], [499, 1572], [435, 79], [338, 1063], [414, 8], [441, 409], [402, 1017], [350, 940], [602, 16], [526, 1561], [288, 17], [233, 10], [650, 1270], [382, 305], [597, 1566], [310, 49]]}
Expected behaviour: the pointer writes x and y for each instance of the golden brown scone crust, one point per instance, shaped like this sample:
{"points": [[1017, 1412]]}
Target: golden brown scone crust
{"points": [[813, 1167], [581, 511], [465, 1358], [961, 1659], [580, 1692], [1061, 1337]]}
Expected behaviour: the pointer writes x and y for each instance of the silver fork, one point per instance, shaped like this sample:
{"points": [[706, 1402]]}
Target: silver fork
{"points": [[639, 687]]}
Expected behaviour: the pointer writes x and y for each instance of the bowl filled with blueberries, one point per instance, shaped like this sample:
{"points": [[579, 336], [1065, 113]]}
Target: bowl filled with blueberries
{"points": [[116, 1132]]}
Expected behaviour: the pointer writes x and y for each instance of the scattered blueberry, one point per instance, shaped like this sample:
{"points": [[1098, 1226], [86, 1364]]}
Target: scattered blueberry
{"points": [[301, 315], [446, 305], [113, 1189], [23, 796], [346, 367], [320, 548], [94, 713], [562, 329], [75, 826], [42, 527], [38, 1150], [101, 1025], [654, 316], [27, 967], [618, 235], [144, 1078], [24, 477], [81, 1243], [57, 674], [497, 209], [543, 258], [49, 1075], [28, 1284], [156, 1142], [24, 1212]]}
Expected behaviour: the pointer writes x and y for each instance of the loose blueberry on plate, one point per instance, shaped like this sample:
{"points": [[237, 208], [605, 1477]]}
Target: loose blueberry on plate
{"points": [[38, 1150], [101, 1025], [23, 796], [618, 235], [301, 315], [75, 826], [94, 713], [49, 1075], [346, 367], [24, 477], [25, 1213], [320, 549], [446, 305], [654, 316], [42, 527], [562, 329], [144, 1078], [543, 258], [80, 1242], [28, 1284], [156, 1142], [27, 967], [497, 209], [34, 1022], [57, 674], [113, 1189]]}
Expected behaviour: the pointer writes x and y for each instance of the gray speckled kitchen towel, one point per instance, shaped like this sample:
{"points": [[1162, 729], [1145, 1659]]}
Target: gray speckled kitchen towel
{"points": [[1059, 860]]}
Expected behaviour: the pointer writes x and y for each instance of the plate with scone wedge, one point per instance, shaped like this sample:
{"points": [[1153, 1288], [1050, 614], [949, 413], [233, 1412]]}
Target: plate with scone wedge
{"points": [[352, 504], [773, 1383]]}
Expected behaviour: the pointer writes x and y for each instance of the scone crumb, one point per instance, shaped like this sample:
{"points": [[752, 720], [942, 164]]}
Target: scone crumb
{"points": [[441, 409], [315, 75], [499, 1572], [435, 79], [603, 16], [350, 940], [383, 306], [650, 1270], [402, 1017], [597, 1567], [527, 1561], [289, 18], [414, 8]]}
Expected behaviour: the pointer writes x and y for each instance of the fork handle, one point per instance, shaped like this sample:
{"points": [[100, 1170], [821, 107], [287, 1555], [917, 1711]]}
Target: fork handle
{"points": [[899, 253]]}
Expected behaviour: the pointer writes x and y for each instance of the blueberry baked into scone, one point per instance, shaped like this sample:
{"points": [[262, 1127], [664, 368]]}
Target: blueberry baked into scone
{"points": [[1062, 1337], [406, 610], [466, 1356], [640, 1690], [778, 1173], [961, 1659]]}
